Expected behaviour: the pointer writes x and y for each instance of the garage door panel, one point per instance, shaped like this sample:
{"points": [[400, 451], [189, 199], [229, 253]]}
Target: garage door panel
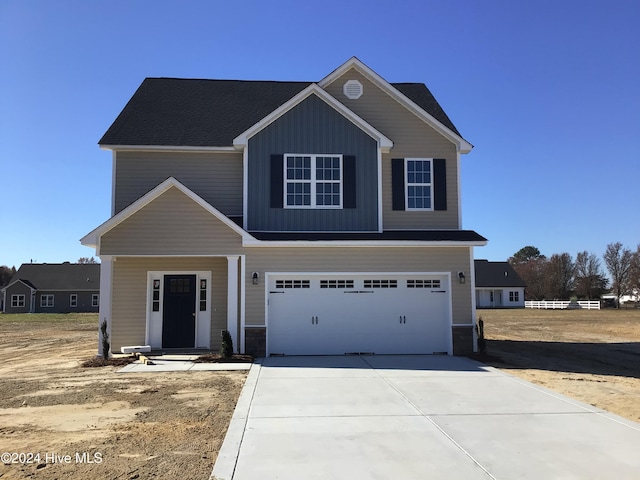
{"points": [[379, 314]]}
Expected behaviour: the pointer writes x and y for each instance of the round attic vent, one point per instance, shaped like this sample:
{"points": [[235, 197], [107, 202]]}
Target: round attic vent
{"points": [[352, 89]]}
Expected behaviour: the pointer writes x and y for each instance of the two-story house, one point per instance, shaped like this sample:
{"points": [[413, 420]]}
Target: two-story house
{"points": [[302, 217]]}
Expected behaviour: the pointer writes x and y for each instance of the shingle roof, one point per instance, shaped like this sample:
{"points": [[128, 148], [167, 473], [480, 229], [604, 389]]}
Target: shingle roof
{"points": [[211, 113], [59, 276], [496, 274], [399, 235]]}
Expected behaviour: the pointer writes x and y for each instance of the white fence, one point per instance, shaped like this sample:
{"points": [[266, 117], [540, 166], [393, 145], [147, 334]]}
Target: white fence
{"points": [[563, 304]]}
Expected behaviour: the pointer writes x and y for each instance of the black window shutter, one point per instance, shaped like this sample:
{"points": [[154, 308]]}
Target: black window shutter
{"points": [[440, 184], [277, 181], [349, 181], [397, 183]]}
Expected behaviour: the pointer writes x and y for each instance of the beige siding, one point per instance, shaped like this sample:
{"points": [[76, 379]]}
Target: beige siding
{"points": [[216, 177], [129, 308], [412, 138], [371, 259], [172, 224]]}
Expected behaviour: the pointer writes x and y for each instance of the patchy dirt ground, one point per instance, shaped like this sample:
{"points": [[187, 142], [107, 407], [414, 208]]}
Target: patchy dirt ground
{"points": [[110, 425], [592, 356]]}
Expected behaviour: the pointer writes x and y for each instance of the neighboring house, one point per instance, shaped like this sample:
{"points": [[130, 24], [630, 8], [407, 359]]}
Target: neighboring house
{"points": [[53, 288], [498, 285], [302, 217]]}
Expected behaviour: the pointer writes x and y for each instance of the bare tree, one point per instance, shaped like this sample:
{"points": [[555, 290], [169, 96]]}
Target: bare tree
{"points": [[560, 274], [634, 274], [590, 281], [619, 261], [87, 260]]}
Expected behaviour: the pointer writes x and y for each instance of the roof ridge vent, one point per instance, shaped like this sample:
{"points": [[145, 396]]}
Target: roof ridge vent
{"points": [[352, 89]]}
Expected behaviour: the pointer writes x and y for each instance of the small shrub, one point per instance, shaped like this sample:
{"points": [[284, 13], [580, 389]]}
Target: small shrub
{"points": [[226, 349], [106, 346], [482, 343]]}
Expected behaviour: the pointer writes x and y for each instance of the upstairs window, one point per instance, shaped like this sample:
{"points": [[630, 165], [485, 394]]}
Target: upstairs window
{"points": [[418, 184], [313, 181]]}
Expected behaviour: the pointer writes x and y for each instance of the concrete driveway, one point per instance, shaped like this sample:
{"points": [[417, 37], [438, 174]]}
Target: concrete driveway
{"points": [[416, 417]]}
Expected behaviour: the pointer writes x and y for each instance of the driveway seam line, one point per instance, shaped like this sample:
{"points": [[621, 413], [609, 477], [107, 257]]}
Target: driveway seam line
{"points": [[423, 414]]}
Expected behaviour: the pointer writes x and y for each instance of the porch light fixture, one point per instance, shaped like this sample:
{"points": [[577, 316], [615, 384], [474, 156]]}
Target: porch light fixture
{"points": [[255, 276], [461, 278]]}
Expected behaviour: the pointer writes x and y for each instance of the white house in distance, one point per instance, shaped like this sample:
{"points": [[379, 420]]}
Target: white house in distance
{"points": [[498, 285]]}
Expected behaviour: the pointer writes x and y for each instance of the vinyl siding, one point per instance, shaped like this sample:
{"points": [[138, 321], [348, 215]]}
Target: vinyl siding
{"points": [[312, 127], [412, 138], [216, 177], [17, 288], [61, 301], [172, 224], [361, 259], [129, 306]]}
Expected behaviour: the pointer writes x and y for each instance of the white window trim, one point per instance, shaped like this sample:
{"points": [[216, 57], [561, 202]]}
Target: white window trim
{"points": [[18, 300], [406, 184], [313, 181], [73, 299], [46, 304], [95, 300]]}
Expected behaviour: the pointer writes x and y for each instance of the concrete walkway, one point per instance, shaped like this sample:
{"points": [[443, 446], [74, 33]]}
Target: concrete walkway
{"points": [[416, 417], [179, 363]]}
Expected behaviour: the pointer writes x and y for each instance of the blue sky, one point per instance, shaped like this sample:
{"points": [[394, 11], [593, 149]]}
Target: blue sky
{"points": [[548, 91]]}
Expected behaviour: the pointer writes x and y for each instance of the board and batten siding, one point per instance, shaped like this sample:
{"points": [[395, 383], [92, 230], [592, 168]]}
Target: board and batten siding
{"points": [[216, 177], [358, 259], [172, 224], [129, 308], [412, 138], [312, 127]]}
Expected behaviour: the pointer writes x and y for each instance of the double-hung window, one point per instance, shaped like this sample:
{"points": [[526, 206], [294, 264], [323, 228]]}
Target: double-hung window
{"points": [[419, 184], [73, 300], [313, 181], [46, 301], [17, 301]]}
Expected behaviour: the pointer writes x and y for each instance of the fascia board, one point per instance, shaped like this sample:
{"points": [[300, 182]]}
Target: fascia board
{"points": [[92, 238], [385, 143], [165, 148], [462, 145], [18, 281], [358, 244]]}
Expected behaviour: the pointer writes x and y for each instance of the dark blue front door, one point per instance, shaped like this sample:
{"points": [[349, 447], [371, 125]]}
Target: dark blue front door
{"points": [[179, 311]]}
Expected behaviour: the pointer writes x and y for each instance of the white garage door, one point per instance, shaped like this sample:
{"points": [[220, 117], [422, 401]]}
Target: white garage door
{"points": [[338, 314]]}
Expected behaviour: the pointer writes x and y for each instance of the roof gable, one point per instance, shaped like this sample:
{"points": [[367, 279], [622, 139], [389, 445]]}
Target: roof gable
{"points": [[58, 276], [313, 89], [92, 239], [416, 97]]}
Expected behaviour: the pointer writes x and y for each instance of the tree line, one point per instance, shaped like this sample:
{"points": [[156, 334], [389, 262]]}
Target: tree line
{"points": [[563, 277]]}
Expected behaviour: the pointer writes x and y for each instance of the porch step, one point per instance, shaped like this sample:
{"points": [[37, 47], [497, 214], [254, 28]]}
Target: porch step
{"points": [[136, 349]]}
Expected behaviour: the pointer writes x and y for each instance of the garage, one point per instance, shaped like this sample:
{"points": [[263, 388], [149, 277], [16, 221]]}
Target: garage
{"points": [[336, 314]]}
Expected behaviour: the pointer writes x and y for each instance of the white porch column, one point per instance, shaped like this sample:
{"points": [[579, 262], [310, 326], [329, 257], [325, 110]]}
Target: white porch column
{"points": [[104, 309], [232, 299]]}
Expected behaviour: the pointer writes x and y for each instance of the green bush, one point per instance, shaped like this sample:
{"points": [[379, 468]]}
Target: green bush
{"points": [[226, 349], [106, 346]]}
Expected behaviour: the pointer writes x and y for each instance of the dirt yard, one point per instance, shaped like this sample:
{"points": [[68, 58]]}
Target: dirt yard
{"points": [[592, 356], [95, 423]]}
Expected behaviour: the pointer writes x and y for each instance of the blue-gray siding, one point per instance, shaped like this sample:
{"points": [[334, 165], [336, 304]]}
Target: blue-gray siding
{"points": [[312, 127]]}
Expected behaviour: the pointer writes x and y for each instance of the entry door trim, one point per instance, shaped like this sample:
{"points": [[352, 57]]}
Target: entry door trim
{"points": [[153, 332]]}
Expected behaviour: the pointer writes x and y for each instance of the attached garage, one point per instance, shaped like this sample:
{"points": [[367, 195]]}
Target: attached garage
{"points": [[379, 313]]}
